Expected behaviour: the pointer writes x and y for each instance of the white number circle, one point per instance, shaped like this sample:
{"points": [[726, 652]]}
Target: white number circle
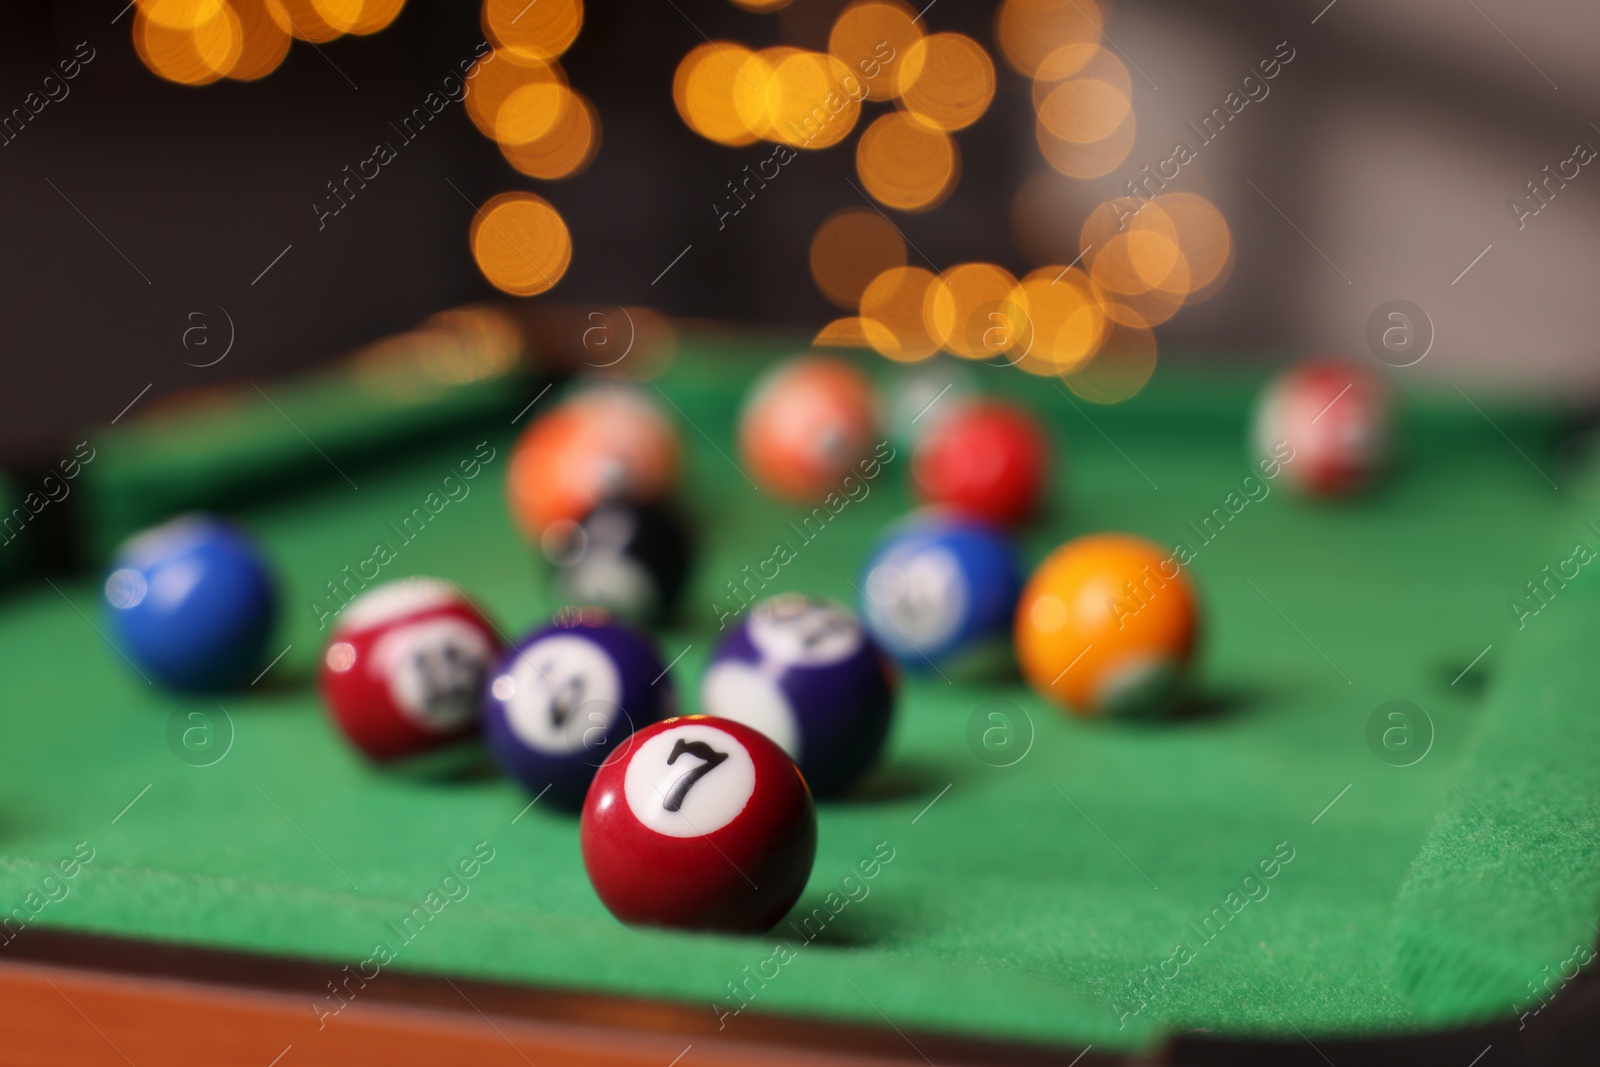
{"points": [[689, 781], [807, 632], [434, 667], [564, 694], [747, 694], [920, 589]]}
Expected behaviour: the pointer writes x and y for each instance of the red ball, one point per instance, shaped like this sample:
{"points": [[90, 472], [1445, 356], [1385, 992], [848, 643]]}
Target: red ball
{"points": [[1327, 423], [989, 460], [404, 668], [702, 824]]}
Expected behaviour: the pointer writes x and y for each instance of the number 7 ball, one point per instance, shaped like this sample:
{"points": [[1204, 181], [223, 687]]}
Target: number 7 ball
{"points": [[702, 824]]}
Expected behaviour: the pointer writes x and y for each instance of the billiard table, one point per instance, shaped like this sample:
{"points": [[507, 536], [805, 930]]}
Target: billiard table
{"points": [[1372, 834]]}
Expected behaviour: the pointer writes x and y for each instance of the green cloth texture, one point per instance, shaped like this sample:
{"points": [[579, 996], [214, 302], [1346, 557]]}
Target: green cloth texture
{"points": [[1499, 910], [1109, 886], [219, 451]]}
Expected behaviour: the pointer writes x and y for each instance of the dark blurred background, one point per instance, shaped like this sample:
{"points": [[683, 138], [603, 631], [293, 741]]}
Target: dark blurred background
{"points": [[1384, 160]]}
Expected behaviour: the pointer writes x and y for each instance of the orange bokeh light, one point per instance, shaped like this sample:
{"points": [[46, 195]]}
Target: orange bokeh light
{"points": [[947, 80], [893, 313], [852, 248], [813, 100], [1084, 110], [1066, 323], [872, 38], [265, 43], [541, 30], [1029, 30], [905, 163], [500, 75], [566, 148], [703, 90], [305, 20], [192, 56], [971, 314], [520, 243]]}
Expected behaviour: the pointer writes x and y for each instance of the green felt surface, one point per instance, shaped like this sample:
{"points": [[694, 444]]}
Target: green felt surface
{"points": [[1031, 901], [218, 451], [1499, 911]]}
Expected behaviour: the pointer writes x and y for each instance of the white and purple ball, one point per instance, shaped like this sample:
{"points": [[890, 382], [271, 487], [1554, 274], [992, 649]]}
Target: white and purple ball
{"points": [[563, 697], [806, 673]]}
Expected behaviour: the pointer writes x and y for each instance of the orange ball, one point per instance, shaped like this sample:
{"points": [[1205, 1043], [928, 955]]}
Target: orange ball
{"points": [[606, 444], [806, 426], [1107, 625]]}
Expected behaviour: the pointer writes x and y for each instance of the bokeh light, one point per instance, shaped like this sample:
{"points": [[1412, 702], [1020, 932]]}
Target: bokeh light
{"points": [[970, 313], [1065, 317], [852, 248], [752, 89], [894, 314], [872, 38], [1027, 31], [847, 332], [1084, 110], [1202, 235], [1066, 61], [809, 104], [180, 14], [1081, 61], [1093, 160], [905, 163], [193, 55], [375, 15], [499, 76], [1119, 370], [566, 148], [304, 20], [703, 91], [520, 243], [264, 45], [761, 7], [530, 112], [195, 42], [541, 30], [947, 80]]}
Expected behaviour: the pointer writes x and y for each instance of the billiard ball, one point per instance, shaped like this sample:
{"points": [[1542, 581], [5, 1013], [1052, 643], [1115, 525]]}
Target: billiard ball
{"points": [[806, 674], [988, 459], [1327, 424], [560, 699], [608, 443], [1107, 626], [631, 559], [191, 603], [939, 591], [699, 823], [806, 425], [403, 670]]}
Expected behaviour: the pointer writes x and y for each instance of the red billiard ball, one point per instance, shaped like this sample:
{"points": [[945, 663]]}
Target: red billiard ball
{"points": [[699, 823], [1327, 423], [404, 668], [989, 460]]}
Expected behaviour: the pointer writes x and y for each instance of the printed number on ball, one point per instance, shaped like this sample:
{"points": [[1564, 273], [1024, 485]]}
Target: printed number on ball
{"points": [[434, 669], [689, 781], [794, 630], [564, 695]]}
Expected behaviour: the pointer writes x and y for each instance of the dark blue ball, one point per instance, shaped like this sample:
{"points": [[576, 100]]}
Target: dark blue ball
{"points": [[564, 696], [191, 603], [940, 591], [805, 673]]}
